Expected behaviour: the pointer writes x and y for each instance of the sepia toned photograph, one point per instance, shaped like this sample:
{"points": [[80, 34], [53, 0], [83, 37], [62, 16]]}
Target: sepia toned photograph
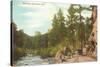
{"points": [[52, 33]]}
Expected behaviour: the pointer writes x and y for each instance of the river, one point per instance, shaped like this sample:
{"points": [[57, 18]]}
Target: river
{"points": [[33, 60]]}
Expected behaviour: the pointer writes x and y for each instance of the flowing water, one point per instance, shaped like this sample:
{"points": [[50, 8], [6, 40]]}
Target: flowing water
{"points": [[32, 60]]}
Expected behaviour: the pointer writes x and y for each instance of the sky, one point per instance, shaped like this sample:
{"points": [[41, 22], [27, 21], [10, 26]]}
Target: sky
{"points": [[37, 16]]}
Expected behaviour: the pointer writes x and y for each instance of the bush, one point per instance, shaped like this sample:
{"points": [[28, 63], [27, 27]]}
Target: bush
{"points": [[19, 52], [50, 51]]}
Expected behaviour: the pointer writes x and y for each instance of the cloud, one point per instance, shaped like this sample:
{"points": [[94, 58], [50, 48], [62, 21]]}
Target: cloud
{"points": [[35, 24], [44, 12], [27, 14]]}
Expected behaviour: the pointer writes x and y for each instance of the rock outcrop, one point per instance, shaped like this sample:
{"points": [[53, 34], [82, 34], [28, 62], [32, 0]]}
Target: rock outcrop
{"points": [[60, 55], [93, 35]]}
